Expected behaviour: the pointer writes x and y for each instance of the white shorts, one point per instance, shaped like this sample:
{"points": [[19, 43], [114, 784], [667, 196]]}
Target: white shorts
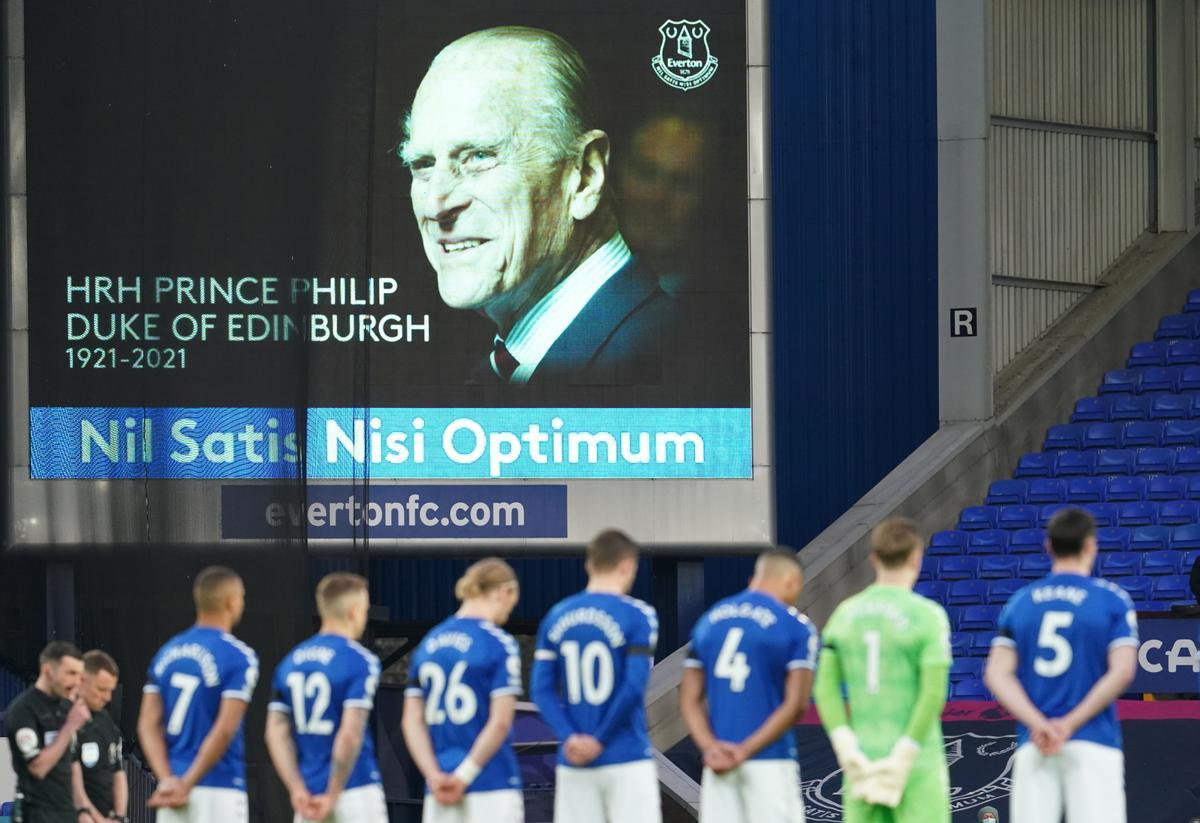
{"points": [[1086, 780], [365, 804], [209, 805], [623, 793], [499, 806], [758, 791]]}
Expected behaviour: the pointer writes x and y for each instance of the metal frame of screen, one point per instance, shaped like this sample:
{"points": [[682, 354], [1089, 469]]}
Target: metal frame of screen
{"points": [[668, 516]]}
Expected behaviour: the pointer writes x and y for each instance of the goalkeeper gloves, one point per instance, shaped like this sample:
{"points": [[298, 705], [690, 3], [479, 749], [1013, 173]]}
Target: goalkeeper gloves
{"points": [[884, 784], [849, 756]]}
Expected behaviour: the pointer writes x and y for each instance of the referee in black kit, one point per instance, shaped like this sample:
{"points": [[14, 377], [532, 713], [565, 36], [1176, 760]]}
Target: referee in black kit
{"points": [[101, 788], [41, 725]]}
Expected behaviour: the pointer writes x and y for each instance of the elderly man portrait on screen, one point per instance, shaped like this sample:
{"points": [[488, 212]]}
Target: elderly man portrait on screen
{"points": [[511, 192]]}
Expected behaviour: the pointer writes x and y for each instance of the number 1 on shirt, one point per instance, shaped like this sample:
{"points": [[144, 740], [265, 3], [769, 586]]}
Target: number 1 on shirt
{"points": [[874, 642]]}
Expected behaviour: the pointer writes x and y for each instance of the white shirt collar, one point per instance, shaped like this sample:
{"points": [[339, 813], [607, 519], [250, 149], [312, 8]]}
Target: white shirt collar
{"points": [[541, 326]]}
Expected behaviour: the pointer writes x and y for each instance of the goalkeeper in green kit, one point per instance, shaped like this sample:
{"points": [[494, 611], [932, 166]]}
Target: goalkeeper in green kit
{"points": [[890, 649]]}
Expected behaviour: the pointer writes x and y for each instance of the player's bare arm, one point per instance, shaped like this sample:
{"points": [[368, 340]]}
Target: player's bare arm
{"points": [[1122, 666], [82, 801], [282, 748], [1001, 679], [694, 709], [420, 747], [796, 691], [224, 730], [501, 714], [120, 793], [150, 735]]}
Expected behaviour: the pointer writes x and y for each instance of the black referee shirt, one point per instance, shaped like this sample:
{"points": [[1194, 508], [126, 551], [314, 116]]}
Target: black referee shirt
{"points": [[32, 723], [98, 751]]}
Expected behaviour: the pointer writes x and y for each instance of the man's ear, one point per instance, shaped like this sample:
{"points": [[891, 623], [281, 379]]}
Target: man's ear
{"points": [[591, 175]]}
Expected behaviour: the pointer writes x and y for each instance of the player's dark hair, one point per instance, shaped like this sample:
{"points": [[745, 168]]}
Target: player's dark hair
{"points": [[609, 548], [333, 587], [97, 661], [210, 585], [894, 540], [1068, 531], [777, 559], [57, 650]]}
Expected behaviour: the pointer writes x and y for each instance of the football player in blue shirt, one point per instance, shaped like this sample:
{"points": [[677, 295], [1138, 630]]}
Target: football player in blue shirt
{"points": [[1066, 649], [592, 663], [196, 693], [460, 704], [321, 699], [751, 658]]}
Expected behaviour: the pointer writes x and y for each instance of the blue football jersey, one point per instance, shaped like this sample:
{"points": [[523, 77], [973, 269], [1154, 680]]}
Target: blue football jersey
{"points": [[1062, 628], [746, 645], [194, 672], [313, 684], [459, 667], [595, 650]]}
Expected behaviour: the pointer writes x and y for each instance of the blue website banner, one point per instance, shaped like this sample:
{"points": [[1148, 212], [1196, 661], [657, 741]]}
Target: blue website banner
{"points": [[387, 510], [394, 443]]}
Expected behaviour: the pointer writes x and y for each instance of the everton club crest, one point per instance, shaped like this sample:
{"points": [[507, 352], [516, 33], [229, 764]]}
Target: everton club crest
{"points": [[684, 59]]}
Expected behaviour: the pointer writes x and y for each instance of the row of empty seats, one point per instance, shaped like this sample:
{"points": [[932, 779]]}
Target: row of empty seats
{"points": [[1110, 565], [1175, 513], [1126, 407], [1041, 491], [996, 542], [973, 592], [1150, 380], [1167, 352], [1180, 460], [1135, 434]]}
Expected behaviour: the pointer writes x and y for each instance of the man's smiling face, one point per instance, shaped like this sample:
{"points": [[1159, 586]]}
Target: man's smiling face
{"points": [[488, 190]]}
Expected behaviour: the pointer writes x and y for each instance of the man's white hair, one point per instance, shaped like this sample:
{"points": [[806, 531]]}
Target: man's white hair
{"points": [[567, 110]]}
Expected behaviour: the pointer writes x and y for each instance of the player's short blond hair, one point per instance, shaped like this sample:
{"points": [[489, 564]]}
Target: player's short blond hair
{"points": [[894, 540], [335, 590], [480, 578], [210, 587]]}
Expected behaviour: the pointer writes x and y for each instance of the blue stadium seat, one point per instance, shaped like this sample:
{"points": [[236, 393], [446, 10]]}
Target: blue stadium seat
{"points": [[1067, 436], [1120, 381], [1178, 512], [1148, 354], [999, 568], [1176, 327], [1043, 490], [1077, 464], [1087, 490], [1192, 483], [1105, 514], [1137, 514], [969, 690], [1092, 410], [1193, 301], [976, 518], [1170, 407], [1160, 379], [979, 619], [1187, 460], [1006, 493], [1125, 489], [1162, 487], [1027, 541], [965, 669], [1126, 407], [1103, 435], [1186, 539], [960, 643], [1155, 461], [1183, 353], [1048, 511], [1181, 433], [967, 593], [1018, 517], [1189, 381], [1155, 564], [1035, 464], [981, 643], [948, 542], [935, 590], [1139, 588], [1113, 539], [988, 541], [1000, 590], [1189, 559], [1174, 587], [1154, 606], [958, 568], [929, 569], [1034, 566], [1140, 434], [1114, 461], [1119, 564], [1149, 538]]}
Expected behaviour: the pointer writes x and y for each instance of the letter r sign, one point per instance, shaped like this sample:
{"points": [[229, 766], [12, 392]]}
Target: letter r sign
{"points": [[964, 322]]}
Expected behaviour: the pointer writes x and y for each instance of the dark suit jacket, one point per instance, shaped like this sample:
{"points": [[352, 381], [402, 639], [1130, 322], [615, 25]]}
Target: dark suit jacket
{"points": [[617, 339]]}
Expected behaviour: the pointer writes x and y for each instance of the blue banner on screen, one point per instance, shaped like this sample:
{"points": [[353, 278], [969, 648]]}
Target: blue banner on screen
{"points": [[395, 443], [1169, 656], [385, 510]]}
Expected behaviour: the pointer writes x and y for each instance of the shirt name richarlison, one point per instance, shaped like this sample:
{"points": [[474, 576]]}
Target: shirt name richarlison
{"points": [[463, 441]]}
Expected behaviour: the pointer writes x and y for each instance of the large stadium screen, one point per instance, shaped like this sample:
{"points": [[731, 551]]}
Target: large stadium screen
{"points": [[399, 270]]}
